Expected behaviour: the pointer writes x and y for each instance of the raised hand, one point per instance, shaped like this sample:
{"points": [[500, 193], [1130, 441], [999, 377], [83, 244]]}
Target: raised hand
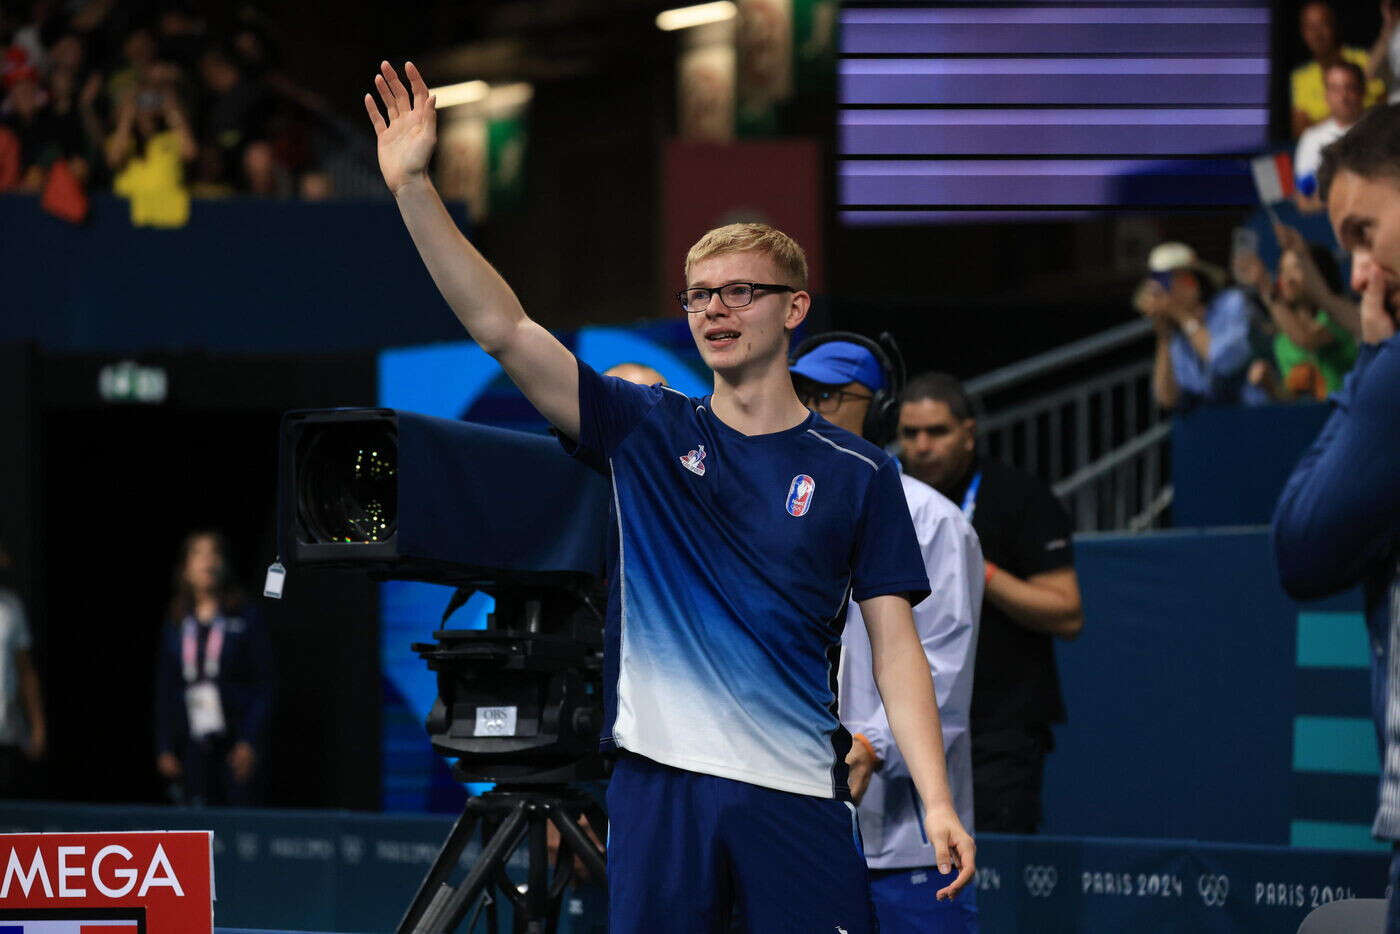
{"points": [[1378, 325], [407, 138], [1314, 286]]}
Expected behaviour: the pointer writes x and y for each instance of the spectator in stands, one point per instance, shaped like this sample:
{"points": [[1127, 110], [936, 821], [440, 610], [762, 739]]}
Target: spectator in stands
{"points": [[180, 35], [23, 729], [1032, 598], [841, 380], [139, 53], [214, 683], [147, 154], [315, 185], [1318, 25], [1337, 523], [1344, 85], [236, 121], [1319, 288], [27, 43], [1384, 60], [258, 132], [1312, 352], [1202, 331], [54, 121], [27, 118]]}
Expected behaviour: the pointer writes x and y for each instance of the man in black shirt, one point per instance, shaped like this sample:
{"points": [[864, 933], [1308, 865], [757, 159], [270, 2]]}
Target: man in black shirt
{"points": [[1032, 596]]}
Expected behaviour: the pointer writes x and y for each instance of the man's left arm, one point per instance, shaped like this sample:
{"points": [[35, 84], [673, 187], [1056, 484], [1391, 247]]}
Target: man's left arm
{"points": [[1047, 598], [1047, 602], [1223, 343], [906, 688]]}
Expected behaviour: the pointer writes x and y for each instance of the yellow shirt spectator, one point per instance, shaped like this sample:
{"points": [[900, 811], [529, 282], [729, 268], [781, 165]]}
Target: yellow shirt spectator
{"points": [[1309, 95], [154, 181]]}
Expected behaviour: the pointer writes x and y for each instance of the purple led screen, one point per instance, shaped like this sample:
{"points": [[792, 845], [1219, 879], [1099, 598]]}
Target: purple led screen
{"points": [[970, 112]]}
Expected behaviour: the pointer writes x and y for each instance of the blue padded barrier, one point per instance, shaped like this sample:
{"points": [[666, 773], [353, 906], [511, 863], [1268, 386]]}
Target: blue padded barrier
{"points": [[298, 871], [1205, 704]]}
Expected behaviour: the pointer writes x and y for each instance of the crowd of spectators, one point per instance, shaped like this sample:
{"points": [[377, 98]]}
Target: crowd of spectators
{"points": [[1254, 334], [153, 103], [1336, 86]]}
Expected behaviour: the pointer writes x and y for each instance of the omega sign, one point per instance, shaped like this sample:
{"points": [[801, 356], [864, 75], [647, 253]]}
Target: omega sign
{"points": [[164, 879]]}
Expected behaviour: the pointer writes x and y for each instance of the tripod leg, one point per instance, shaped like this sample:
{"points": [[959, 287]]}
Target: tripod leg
{"points": [[442, 867], [578, 841], [537, 901], [494, 853]]}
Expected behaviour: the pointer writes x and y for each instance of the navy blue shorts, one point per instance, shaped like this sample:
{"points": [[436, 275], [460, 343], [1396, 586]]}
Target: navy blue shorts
{"points": [[906, 902], [687, 852]]}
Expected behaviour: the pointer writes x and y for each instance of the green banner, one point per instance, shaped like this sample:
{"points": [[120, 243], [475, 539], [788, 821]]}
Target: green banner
{"points": [[506, 139]]}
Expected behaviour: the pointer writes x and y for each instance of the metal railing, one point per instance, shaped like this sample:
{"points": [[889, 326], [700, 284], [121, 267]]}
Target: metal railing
{"points": [[1100, 442]]}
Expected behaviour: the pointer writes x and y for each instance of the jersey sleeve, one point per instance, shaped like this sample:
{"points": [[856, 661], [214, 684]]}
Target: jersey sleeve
{"points": [[862, 710], [608, 408], [887, 558], [1045, 542]]}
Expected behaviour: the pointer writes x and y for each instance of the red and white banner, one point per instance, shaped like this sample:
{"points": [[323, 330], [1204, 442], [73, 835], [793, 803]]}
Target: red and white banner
{"points": [[107, 883]]}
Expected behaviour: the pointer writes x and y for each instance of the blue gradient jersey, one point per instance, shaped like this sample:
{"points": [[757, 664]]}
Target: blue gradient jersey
{"points": [[736, 558]]}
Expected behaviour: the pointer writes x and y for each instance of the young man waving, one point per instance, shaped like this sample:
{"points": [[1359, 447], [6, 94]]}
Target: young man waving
{"points": [[744, 523]]}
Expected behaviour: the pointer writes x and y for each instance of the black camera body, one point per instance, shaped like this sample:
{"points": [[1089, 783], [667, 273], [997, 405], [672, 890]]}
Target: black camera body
{"points": [[405, 496], [414, 497]]}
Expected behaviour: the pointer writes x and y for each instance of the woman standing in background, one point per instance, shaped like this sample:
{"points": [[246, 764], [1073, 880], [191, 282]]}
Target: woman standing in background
{"points": [[214, 683]]}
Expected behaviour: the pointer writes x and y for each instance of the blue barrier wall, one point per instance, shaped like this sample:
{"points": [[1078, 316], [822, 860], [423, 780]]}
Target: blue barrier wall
{"points": [[1230, 464], [336, 871], [244, 275], [1205, 704]]}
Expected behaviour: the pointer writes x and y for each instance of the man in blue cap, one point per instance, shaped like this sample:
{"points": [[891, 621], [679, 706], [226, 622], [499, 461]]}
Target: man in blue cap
{"points": [[855, 384]]}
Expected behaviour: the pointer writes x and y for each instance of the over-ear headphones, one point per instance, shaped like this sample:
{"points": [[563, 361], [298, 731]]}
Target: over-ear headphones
{"points": [[882, 418]]}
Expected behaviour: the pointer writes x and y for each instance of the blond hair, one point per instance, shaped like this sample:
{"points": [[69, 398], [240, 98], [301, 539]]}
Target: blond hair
{"points": [[758, 238]]}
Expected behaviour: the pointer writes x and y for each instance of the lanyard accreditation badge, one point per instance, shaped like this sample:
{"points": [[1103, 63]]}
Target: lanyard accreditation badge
{"points": [[969, 503], [206, 711]]}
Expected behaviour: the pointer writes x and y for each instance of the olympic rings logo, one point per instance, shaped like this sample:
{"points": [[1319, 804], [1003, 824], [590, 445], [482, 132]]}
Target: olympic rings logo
{"points": [[1040, 880], [1213, 889]]}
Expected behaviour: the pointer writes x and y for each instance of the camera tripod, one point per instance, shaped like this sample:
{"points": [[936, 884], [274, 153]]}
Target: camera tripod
{"points": [[509, 815]]}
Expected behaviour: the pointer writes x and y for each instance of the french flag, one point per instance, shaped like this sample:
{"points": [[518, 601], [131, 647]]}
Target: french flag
{"points": [[1273, 177]]}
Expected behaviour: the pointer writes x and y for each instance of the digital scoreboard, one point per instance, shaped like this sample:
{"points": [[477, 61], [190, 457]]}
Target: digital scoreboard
{"points": [[983, 111]]}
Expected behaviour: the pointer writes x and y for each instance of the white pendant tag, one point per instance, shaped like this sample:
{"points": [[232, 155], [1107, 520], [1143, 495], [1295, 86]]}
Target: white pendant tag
{"points": [[276, 576]]}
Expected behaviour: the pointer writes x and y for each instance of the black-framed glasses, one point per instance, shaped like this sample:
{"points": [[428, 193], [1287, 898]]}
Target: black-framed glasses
{"points": [[826, 399], [731, 294]]}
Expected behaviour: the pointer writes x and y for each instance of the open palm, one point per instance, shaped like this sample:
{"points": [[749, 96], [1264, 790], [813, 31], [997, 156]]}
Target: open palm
{"points": [[406, 140]]}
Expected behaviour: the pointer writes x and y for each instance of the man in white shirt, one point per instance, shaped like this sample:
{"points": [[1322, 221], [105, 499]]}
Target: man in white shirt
{"points": [[843, 379], [1345, 87]]}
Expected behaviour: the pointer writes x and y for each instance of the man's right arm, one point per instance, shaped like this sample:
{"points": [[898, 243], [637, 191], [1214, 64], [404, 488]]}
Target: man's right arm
{"points": [[1164, 386], [534, 359], [1340, 510]]}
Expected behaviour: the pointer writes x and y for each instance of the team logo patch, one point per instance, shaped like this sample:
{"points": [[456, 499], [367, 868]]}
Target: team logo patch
{"points": [[694, 461], [799, 497]]}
